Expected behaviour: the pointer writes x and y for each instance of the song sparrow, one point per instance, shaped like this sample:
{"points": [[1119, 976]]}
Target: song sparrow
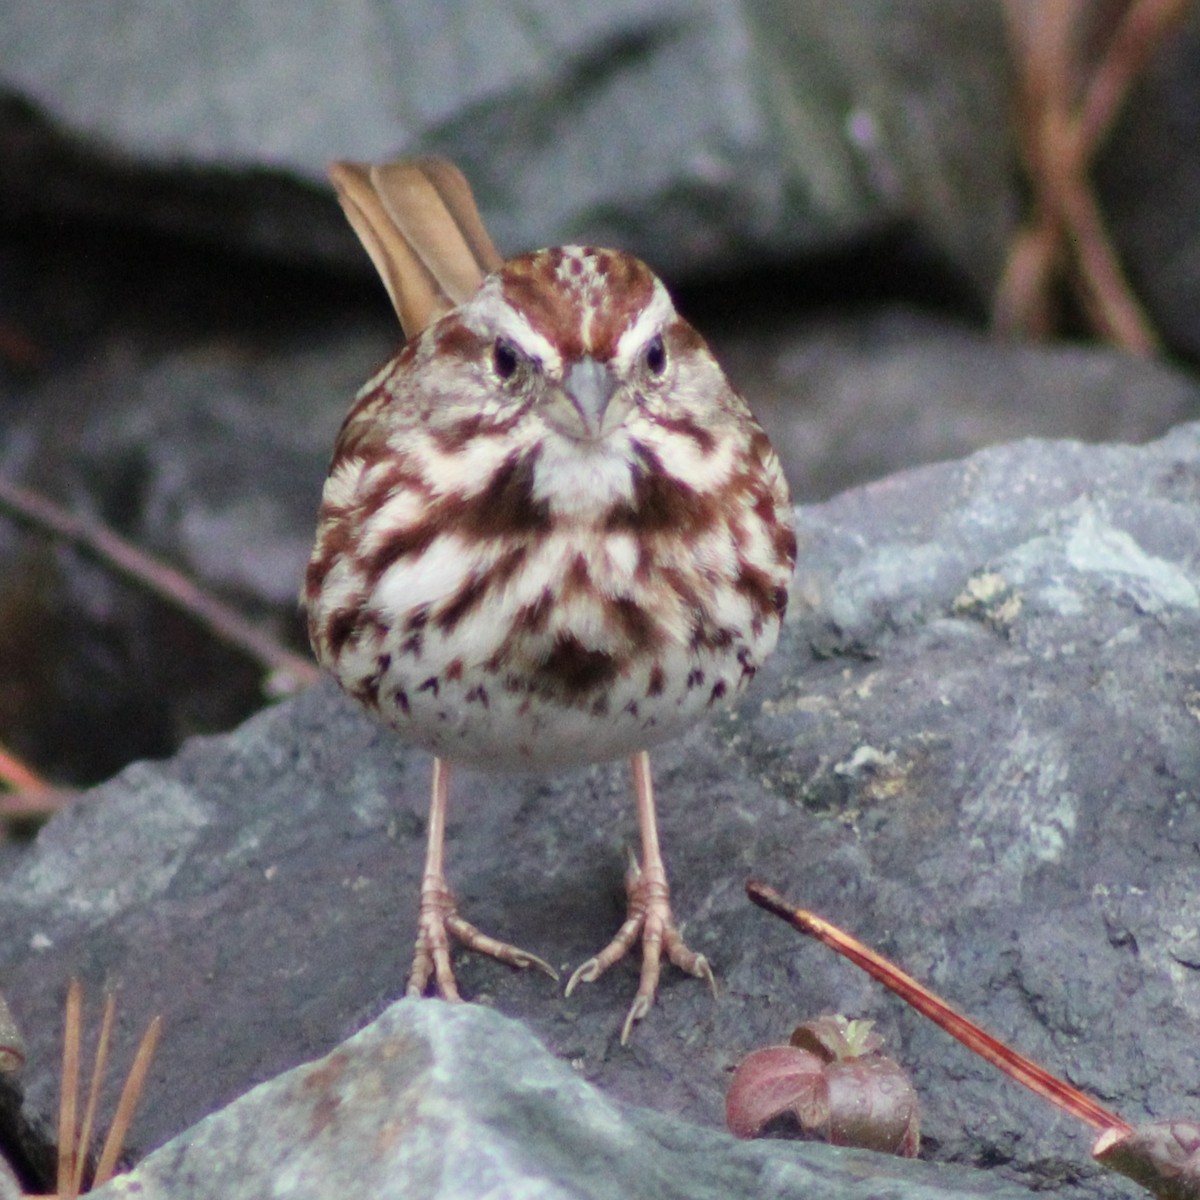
{"points": [[552, 533]]}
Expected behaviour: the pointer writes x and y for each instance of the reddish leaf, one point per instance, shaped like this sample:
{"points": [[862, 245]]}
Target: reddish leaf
{"points": [[836, 1084], [873, 1105], [773, 1081]]}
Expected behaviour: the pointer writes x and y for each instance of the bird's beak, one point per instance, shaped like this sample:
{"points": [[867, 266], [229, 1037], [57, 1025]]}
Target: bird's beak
{"points": [[589, 386]]}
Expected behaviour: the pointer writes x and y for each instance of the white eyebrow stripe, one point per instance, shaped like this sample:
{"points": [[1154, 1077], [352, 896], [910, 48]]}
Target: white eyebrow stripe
{"points": [[490, 314], [650, 320]]}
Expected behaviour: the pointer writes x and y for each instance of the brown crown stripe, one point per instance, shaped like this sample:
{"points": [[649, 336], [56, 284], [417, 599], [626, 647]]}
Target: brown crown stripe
{"points": [[529, 286], [532, 285], [629, 287]]}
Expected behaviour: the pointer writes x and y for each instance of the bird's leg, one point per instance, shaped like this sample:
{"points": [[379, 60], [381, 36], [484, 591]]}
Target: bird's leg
{"points": [[437, 916], [648, 914]]}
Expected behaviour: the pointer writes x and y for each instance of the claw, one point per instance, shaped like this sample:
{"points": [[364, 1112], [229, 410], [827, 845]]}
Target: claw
{"points": [[650, 918], [438, 920]]}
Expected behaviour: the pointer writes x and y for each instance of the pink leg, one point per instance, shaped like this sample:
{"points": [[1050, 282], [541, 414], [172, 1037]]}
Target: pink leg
{"points": [[437, 916], [648, 915]]}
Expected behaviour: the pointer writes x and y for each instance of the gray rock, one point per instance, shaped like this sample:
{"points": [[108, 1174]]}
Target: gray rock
{"points": [[975, 748], [401, 1109], [847, 399], [10, 1185], [212, 456], [700, 133]]}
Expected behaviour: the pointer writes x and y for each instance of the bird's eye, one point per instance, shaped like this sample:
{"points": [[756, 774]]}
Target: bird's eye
{"points": [[504, 358], [656, 355]]}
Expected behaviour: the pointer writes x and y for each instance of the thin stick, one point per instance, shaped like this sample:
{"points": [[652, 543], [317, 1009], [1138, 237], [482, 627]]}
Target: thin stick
{"points": [[1066, 110], [169, 584], [98, 1070], [1142, 30], [70, 1090], [131, 1093], [18, 775], [1014, 1065], [34, 805]]}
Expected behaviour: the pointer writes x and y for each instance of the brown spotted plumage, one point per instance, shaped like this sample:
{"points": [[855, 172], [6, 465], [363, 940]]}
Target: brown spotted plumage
{"points": [[552, 533]]}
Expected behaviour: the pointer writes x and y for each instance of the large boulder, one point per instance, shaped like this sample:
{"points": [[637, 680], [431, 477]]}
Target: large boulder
{"points": [[702, 135], [975, 748], [403, 1109]]}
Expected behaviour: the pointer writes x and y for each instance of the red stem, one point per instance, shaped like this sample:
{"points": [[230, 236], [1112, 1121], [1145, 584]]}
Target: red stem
{"points": [[1014, 1065]]}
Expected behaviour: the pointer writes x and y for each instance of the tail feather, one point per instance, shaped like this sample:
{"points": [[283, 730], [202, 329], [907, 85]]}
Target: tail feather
{"points": [[418, 221]]}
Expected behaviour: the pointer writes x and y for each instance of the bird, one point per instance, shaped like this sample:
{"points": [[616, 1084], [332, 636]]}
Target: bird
{"points": [[552, 533]]}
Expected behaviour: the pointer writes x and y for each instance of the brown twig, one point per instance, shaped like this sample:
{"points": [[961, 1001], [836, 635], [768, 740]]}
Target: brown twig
{"points": [[131, 1093], [19, 776], [33, 799], [1144, 27], [98, 1069], [1014, 1065], [73, 1149], [68, 1147], [36, 805], [289, 670], [1067, 108]]}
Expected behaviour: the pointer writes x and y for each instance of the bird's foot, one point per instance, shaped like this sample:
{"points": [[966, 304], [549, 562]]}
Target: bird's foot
{"points": [[649, 916], [437, 922]]}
